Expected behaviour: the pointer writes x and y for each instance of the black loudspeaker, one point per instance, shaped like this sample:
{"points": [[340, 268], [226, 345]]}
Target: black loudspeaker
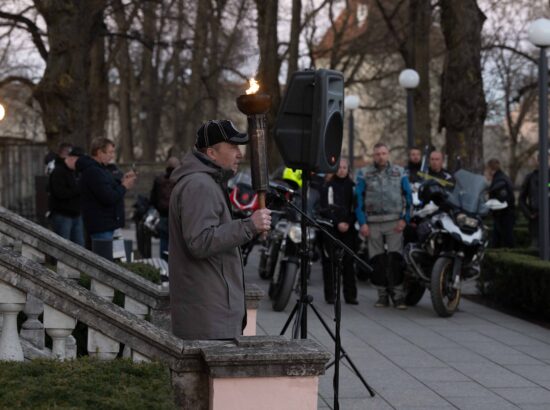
{"points": [[310, 122]]}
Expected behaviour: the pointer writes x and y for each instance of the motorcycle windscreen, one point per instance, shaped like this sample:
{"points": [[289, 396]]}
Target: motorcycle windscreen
{"points": [[468, 193]]}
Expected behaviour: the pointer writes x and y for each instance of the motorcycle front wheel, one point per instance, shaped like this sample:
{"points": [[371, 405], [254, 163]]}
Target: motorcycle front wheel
{"points": [[445, 298], [283, 286]]}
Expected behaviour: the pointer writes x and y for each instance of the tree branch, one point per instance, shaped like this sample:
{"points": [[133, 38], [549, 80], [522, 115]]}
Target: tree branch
{"points": [[32, 28], [17, 79]]}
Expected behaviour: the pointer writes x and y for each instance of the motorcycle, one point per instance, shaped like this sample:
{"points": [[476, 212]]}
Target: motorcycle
{"points": [[284, 253], [451, 241], [244, 201]]}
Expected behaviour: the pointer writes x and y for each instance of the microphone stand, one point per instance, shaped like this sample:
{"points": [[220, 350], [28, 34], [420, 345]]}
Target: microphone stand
{"points": [[305, 300]]}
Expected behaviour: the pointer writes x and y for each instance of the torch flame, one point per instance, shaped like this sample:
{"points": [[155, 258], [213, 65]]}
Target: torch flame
{"points": [[254, 87]]}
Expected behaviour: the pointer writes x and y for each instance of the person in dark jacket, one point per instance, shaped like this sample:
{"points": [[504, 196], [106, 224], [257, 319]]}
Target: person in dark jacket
{"points": [[206, 269], [501, 188], [437, 171], [413, 165], [160, 200], [529, 203], [337, 202], [64, 198], [102, 196]]}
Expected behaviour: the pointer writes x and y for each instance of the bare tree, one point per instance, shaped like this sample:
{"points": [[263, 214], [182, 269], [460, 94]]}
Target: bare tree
{"points": [[463, 106]]}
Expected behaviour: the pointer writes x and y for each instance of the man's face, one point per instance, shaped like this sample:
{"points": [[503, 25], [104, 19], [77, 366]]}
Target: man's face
{"points": [[64, 153], [343, 169], [70, 161], [415, 156], [227, 156], [436, 161], [381, 156], [107, 155]]}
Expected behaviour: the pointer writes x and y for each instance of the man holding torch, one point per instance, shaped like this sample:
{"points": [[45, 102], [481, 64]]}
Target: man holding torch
{"points": [[206, 271]]}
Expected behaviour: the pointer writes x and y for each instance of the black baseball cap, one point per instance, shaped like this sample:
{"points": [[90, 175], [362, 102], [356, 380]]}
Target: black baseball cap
{"points": [[76, 152], [216, 131]]}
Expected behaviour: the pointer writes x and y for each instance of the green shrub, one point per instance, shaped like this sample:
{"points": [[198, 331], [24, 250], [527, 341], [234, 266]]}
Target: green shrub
{"points": [[85, 384], [517, 279], [144, 270]]}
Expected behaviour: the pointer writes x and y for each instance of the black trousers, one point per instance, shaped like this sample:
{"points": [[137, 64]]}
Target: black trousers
{"points": [[503, 229], [347, 269]]}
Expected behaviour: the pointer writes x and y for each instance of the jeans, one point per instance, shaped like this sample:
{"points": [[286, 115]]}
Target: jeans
{"points": [[162, 229], [68, 227], [103, 235]]}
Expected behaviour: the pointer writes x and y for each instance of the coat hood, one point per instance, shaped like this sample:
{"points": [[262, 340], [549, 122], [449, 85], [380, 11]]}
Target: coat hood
{"points": [[195, 162]]}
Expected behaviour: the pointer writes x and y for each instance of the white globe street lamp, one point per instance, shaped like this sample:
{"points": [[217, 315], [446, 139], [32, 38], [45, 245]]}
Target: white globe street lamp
{"points": [[2, 112], [351, 102], [539, 35], [409, 80]]}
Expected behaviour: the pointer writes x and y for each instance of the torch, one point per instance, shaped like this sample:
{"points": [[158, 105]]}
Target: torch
{"points": [[255, 106]]}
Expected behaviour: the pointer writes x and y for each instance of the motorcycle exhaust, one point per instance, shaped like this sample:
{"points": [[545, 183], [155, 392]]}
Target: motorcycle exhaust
{"points": [[410, 259]]}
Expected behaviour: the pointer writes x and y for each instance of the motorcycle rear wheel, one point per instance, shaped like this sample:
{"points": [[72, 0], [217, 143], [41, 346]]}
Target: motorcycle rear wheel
{"points": [[282, 289], [445, 298]]}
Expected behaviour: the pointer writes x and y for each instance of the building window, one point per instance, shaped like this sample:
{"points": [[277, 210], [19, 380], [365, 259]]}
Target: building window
{"points": [[362, 13]]}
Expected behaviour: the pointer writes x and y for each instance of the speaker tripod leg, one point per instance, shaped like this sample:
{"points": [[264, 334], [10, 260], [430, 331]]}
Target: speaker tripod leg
{"points": [[287, 323]]}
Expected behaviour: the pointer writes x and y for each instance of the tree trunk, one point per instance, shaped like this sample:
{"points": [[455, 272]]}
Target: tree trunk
{"points": [[420, 26], [123, 64], [193, 115], [463, 105], [149, 93], [268, 70], [99, 86], [294, 45], [64, 91]]}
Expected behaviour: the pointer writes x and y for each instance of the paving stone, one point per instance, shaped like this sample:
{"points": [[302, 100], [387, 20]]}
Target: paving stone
{"points": [[482, 403], [491, 375], [441, 374], [459, 389], [527, 395], [536, 373]]}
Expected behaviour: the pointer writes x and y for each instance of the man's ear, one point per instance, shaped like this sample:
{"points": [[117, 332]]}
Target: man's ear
{"points": [[210, 152]]}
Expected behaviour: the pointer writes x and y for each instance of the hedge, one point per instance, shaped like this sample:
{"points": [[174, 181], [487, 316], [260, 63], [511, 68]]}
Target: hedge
{"points": [[85, 384], [518, 279]]}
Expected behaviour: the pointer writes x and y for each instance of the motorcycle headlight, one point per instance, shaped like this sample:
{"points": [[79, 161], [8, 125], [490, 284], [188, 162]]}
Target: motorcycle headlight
{"points": [[464, 221], [295, 233]]}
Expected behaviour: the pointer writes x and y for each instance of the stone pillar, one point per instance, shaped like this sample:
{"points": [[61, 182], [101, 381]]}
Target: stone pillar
{"points": [[264, 372], [140, 310], [12, 301], [101, 346], [59, 326], [71, 273], [32, 329], [33, 254], [253, 295]]}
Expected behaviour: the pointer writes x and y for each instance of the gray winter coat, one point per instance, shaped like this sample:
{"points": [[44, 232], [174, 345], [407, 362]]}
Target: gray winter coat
{"points": [[206, 272]]}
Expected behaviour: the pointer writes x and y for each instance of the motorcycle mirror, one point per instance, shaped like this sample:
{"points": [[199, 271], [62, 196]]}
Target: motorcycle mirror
{"points": [[495, 204]]}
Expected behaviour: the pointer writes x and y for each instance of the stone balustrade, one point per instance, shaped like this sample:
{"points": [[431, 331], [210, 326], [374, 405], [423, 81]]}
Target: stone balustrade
{"points": [[36, 243], [250, 372]]}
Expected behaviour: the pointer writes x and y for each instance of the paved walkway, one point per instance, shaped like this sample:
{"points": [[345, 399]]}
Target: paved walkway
{"points": [[478, 359]]}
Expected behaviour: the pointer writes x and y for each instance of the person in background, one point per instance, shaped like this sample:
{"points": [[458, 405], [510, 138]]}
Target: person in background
{"points": [[383, 210], [337, 203], [51, 157], [437, 171], [160, 200], [529, 203], [413, 165], [501, 188], [102, 194], [64, 198]]}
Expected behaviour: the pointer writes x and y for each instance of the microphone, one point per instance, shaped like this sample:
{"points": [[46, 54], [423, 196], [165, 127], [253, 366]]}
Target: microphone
{"points": [[281, 188]]}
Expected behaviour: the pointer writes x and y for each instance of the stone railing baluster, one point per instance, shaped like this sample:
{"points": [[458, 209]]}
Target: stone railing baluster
{"points": [[12, 301], [58, 326], [101, 346], [140, 310], [32, 329]]}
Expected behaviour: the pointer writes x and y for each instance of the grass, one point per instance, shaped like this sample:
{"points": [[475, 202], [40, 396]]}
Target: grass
{"points": [[85, 384]]}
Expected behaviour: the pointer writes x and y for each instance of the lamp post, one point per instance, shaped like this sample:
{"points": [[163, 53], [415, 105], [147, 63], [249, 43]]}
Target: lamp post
{"points": [[351, 102], [539, 35], [2, 112], [409, 79]]}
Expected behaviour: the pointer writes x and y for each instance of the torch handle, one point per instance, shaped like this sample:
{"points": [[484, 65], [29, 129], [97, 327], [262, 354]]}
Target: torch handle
{"points": [[261, 199]]}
